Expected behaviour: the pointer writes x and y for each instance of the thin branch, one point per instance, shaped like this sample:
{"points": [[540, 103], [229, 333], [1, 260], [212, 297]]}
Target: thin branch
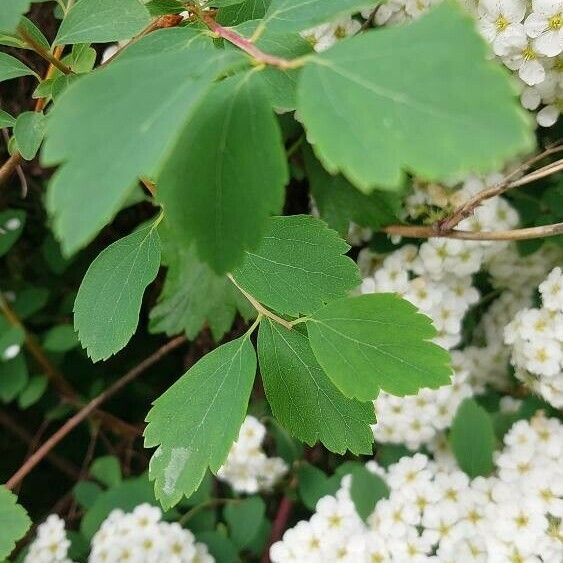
{"points": [[466, 209], [259, 307], [87, 410], [279, 525], [413, 231], [42, 52], [247, 45], [9, 167]]}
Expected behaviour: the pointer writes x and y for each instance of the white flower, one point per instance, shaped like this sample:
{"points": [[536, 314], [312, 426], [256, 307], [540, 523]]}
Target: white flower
{"points": [[520, 53], [545, 25], [499, 19], [551, 290]]}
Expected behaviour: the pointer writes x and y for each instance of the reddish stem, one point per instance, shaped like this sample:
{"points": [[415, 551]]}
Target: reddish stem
{"points": [[280, 524]]}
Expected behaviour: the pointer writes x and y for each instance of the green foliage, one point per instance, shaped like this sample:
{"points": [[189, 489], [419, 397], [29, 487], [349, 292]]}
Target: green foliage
{"points": [[375, 342], [192, 439], [106, 310], [298, 252], [28, 132], [6, 120], [428, 118], [315, 484], [366, 489], [33, 391], [224, 207], [106, 470], [14, 522], [244, 519], [157, 93], [102, 21], [11, 13], [472, 438], [304, 399], [243, 11], [13, 378], [12, 222], [10, 67]]}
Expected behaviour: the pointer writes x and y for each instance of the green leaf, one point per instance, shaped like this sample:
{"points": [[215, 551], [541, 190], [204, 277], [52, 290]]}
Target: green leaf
{"points": [[220, 547], [33, 391], [10, 67], [304, 399], [61, 338], [6, 120], [162, 7], [112, 148], [244, 519], [13, 378], [11, 13], [194, 295], [366, 490], [377, 341], [29, 131], [453, 113], [106, 310], [12, 222], [107, 470], [14, 522], [314, 484], [339, 202], [472, 439], [297, 15], [196, 421], [86, 493], [227, 173], [83, 58], [102, 21], [298, 252], [126, 496], [246, 10]]}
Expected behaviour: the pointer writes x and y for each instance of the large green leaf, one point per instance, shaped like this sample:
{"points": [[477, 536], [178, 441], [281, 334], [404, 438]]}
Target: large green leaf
{"points": [[10, 67], [377, 341], [14, 522], [297, 15], [298, 267], [421, 98], [304, 399], [106, 310], [472, 438], [102, 21], [339, 202], [246, 10], [227, 172], [196, 421], [130, 114], [11, 13], [194, 295]]}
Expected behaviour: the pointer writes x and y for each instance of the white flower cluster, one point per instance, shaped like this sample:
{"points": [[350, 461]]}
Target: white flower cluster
{"points": [[536, 338], [142, 536], [50, 544], [248, 469], [416, 420], [436, 514]]}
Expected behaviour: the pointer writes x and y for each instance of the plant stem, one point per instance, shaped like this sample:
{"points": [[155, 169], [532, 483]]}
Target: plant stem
{"points": [[413, 231], [88, 409], [280, 523], [259, 307], [43, 53]]}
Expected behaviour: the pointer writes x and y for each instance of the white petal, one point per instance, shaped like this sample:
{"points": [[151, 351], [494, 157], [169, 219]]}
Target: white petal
{"points": [[531, 72], [547, 116], [530, 98], [535, 25], [549, 44]]}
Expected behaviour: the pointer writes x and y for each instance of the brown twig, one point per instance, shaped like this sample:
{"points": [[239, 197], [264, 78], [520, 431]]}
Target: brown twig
{"points": [[42, 52], [413, 231], [278, 527], [87, 410], [467, 208], [246, 45]]}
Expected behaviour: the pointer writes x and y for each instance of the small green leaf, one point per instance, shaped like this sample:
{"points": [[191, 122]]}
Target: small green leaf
{"points": [[29, 131], [366, 490], [13, 378], [227, 173], [11, 13], [304, 399], [377, 341], [244, 519], [339, 202], [298, 252], [14, 522], [107, 470], [106, 310], [86, 493], [245, 11], [314, 484], [6, 120], [194, 295], [82, 58], [195, 422], [297, 15], [472, 439], [33, 391], [220, 547], [12, 222], [102, 21], [61, 338], [10, 67], [454, 114], [112, 148]]}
